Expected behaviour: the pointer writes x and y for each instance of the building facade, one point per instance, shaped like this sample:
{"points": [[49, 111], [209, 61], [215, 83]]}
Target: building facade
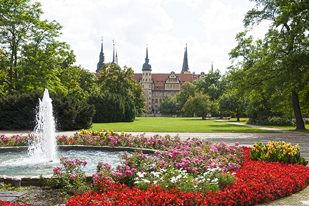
{"points": [[158, 85]]}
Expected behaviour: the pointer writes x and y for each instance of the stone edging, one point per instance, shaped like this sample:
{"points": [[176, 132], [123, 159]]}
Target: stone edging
{"points": [[35, 180]]}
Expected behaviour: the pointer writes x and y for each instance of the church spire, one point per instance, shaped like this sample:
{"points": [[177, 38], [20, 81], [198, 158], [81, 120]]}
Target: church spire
{"points": [[212, 67], [146, 65], [113, 62], [116, 60], [185, 66], [101, 58]]}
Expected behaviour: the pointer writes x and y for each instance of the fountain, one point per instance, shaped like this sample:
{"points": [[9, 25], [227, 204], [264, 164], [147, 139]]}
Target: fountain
{"points": [[42, 157], [44, 147]]}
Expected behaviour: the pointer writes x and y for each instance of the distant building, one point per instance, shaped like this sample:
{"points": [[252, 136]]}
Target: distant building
{"points": [[158, 85]]}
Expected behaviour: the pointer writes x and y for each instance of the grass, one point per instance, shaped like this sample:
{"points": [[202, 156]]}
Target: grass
{"points": [[179, 124], [292, 128]]}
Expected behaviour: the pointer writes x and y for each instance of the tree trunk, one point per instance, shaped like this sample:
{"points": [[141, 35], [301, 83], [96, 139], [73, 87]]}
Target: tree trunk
{"points": [[237, 115], [299, 119], [203, 117]]}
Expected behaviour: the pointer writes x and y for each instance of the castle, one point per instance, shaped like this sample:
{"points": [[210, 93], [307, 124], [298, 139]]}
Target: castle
{"points": [[157, 85]]}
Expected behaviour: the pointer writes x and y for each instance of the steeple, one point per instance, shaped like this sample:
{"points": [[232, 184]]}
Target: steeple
{"points": [[116, 61], [113, 62], [212, 67], [185, 66], [101, 58], [146, 65]]}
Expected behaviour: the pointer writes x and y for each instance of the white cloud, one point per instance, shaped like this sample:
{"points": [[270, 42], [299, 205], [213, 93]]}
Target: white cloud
{"points": [[209, 28]]}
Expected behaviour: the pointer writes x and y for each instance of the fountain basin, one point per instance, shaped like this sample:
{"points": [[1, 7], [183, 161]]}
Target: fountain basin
{"points": [[94, 151]]}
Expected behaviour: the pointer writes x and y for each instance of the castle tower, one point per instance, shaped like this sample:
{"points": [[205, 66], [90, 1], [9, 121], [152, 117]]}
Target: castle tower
{"points": [[185, 66], [101, 58], [147, 82]]}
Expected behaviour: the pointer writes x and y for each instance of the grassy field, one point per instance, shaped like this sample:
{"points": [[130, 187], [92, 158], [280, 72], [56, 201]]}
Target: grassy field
{"points": [[289, 128], [170, 124]]}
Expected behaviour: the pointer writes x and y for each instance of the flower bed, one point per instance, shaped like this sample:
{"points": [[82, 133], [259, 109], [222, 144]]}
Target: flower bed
{"points": [[254, 182]]}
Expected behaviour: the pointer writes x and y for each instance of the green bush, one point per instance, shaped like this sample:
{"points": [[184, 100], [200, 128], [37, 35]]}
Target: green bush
{"points": [[112, 108], [307, 121], [277, 152], [280, 121], [18, 112]]}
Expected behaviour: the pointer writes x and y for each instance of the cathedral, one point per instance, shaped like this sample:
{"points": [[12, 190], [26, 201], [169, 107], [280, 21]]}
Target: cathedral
{"points": [[157, 85]]}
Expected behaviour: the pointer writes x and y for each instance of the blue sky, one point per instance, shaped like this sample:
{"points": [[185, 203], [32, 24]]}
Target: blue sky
{"points": [[208, 27]]}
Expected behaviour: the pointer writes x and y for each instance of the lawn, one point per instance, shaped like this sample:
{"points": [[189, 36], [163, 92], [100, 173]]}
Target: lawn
{"points": [[179, 124], [289, 128]]}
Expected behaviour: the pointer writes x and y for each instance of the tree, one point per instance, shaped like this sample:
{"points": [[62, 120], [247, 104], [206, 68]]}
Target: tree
{"points": [[282, 58], [115, 80], [231, 103], [200, 104], [31, 58], [213, 84], [168, 105], [186, 90]]}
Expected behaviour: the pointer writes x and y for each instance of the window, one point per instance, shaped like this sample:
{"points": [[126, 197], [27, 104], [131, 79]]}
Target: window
{"points": [[149, 86], [160, 100], [167, 86], [160, 94], [152, 101], [156, 94], [146, 74], [156, 100], [143, 86], [173, 86], [149, 97], [150, 93]]}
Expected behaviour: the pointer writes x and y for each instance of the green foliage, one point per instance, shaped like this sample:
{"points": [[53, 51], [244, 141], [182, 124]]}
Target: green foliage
{"points": [[280, 121], [112, 107], [186, 90], [115, 80], [278, 64], [199, 105], [277, 152], [213, 85], [231, 102], [18, 112], [72, 178], [168, 105], [31, 58]]}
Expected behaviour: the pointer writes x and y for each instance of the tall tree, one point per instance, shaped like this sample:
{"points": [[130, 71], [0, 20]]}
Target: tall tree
{"points": [[168, 105], [32, 55], [115, 80], [213, 84], [198, 105], [230, 103], [283, 57], [186, 90]]}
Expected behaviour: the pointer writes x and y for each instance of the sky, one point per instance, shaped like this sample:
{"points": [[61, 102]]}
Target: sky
{"points": [[208, 27]]}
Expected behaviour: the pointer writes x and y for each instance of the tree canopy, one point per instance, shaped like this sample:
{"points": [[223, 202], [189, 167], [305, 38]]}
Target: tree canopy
{"points": [[168, 105], [278, 64], [115, 80], [31, 57], [198, 105]]}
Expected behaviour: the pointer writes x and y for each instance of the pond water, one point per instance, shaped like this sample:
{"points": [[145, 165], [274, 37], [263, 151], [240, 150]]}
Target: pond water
{"points": [[19, 163]]}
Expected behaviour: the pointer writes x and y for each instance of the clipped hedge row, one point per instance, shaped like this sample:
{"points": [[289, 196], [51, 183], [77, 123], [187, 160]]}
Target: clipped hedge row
{"points": [[18, 112], [112, 108]]}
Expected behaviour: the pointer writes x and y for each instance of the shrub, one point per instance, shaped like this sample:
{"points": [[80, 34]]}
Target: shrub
{"points": [[277, 152], [72, 178], [18, 112], [112, 108], [280, 121]]}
